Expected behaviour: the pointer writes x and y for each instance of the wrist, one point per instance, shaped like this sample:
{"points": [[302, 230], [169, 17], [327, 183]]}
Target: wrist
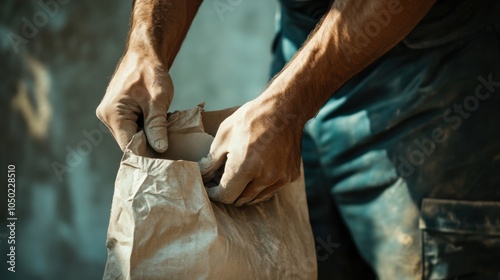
{"points": [[141, 59], [281, 106], [140, 45], [289, 98], [150, 42]]}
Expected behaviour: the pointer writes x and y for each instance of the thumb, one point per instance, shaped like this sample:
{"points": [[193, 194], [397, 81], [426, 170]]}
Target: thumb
{"points": [[210, 164], [155, 126]]}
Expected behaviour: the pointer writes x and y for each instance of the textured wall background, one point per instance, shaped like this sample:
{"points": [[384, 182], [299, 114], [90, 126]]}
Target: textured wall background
{"points": [[52, 77]]}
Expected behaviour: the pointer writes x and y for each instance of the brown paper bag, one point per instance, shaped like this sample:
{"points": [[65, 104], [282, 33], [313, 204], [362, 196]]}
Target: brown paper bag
{"points": [[163, 225]]}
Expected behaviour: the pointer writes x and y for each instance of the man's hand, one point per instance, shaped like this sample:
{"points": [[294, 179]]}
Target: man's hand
{"points": [[140, 87], [260, 146]]}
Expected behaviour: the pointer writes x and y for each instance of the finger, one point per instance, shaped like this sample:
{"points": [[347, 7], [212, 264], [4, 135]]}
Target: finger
{"points": [[262, 199], [209, 166], [155, 126], [234, 180], [213, 161], [121, 126], [266, 194], [253, 191], [123, 132]]}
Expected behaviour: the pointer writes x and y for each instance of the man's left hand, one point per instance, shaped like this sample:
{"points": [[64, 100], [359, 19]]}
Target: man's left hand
{"points": [[260, 145]]}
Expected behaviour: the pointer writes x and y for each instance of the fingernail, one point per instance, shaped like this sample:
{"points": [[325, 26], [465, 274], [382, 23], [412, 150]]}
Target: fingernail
{"points": [[161, 144], [204, 163]]}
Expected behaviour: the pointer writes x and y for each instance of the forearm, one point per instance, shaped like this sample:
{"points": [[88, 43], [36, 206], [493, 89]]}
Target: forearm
{"points": [[344, 43], [158, 27]]}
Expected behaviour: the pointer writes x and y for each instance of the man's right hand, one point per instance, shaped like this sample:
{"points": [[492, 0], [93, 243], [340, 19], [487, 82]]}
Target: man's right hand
{"points": [[141, 85]]}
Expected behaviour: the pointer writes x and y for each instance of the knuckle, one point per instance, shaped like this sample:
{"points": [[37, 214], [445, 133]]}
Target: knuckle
{"points": [[254, 157], [268, 177], [155, 121], [156, 132], [224, 126], [158, 95], [102, 113]]}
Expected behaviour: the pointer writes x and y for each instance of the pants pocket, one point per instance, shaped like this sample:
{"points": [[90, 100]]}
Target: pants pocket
{"points": [[461, 239]]}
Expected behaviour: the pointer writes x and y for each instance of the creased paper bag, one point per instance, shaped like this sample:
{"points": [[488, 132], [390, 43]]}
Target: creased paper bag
{"points": [[163, 225]]}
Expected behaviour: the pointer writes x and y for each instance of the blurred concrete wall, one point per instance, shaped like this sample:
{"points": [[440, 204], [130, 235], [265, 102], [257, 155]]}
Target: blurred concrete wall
{"points": [[52, 77]]}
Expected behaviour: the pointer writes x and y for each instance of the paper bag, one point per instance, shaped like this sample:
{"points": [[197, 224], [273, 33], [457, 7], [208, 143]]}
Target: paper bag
{"points": [[163, 225]]}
